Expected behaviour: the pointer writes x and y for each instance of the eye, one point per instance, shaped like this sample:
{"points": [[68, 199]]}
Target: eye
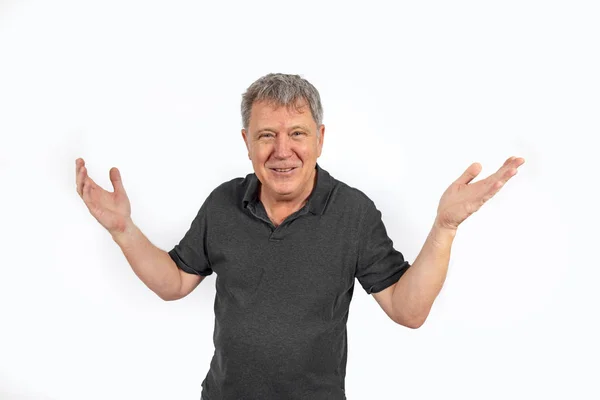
{"points": [[265, 135], [298, 132]]}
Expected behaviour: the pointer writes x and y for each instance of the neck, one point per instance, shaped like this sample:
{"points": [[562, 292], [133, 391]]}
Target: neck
{"points": [[279, 205]]}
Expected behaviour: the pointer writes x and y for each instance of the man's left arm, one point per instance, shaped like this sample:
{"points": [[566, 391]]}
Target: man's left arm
{"points": [[413, 295]]}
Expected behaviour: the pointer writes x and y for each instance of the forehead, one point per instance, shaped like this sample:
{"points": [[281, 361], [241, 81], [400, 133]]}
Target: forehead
{"points": [[268, 113]]}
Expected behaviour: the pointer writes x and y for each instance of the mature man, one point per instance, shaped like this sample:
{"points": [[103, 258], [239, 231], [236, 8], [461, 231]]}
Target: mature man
{"points": [[287, 243]]}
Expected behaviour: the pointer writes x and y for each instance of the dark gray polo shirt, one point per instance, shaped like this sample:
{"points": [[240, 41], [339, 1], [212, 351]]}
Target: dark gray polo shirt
{"points": [[283, 293]]}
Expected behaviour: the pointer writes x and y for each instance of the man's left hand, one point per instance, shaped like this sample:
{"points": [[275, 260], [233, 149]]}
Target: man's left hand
{"points": [[462, 199]]}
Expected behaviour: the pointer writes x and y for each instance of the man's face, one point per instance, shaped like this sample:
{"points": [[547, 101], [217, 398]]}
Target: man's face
{"points": [[281, 138]]}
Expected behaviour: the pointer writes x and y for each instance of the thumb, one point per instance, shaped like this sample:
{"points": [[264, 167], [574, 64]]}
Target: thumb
{"points": [[115, 178], [470, 174]]}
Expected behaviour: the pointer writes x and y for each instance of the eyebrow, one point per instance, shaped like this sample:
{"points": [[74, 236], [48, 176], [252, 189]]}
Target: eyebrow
{"points": [[292, 128]]}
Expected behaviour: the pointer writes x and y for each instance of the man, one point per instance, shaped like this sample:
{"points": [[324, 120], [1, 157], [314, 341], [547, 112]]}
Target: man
{"points": [[287, 243]]}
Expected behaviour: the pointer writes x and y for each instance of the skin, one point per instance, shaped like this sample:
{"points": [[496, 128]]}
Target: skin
{"points": [[282, 137], [409, 301], [282, 147], [277, 137], [463, 198], [111, 209], [274, 140]]}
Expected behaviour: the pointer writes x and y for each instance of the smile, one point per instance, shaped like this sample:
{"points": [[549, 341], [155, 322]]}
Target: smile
{"points": [[282, 171]]}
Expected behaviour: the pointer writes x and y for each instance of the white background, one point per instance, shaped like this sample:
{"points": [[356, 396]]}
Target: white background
{"points": [[413, 93]]}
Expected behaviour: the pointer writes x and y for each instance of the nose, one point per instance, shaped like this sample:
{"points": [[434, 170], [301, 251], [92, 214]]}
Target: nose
{"points": [[283, 147]]}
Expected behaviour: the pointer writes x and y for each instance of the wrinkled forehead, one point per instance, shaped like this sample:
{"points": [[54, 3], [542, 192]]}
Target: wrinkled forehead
{"points": [[269, 112]]}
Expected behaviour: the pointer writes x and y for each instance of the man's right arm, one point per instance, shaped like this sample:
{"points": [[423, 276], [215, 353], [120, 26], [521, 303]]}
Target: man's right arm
{"points": [[154, 266]]}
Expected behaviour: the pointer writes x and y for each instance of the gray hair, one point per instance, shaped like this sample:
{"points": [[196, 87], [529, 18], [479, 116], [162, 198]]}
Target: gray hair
{"points": [[282, 90]]}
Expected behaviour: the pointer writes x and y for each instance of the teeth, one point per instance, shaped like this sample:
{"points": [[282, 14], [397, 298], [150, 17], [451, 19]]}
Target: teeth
{"points": [[283, 170]]}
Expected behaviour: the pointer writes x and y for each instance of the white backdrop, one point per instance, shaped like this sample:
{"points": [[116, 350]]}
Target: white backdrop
{"points": [[413, 93]]}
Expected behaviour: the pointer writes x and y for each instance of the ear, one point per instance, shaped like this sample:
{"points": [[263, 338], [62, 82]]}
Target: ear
{"points": [[321, 139], [245, 137]]}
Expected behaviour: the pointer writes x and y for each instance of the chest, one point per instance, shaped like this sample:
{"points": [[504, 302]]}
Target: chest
{"points": [[307, 264]]}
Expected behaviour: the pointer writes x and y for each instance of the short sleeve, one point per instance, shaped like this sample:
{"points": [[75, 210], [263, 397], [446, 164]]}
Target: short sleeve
{"points": [[379, 265], [190, 254]]}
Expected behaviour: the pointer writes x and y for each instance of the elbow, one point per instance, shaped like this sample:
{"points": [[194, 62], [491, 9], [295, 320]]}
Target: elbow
{"points": [[166, 296], [170, 292], [413, 322]]}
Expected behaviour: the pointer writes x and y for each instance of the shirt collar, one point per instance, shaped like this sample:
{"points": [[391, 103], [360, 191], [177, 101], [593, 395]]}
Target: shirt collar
{"points": [[316, 201]]}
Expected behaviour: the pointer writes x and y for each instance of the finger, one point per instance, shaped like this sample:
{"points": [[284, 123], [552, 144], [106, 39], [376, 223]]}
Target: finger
{"points": [[76, 168], [494, 188], [81, 174], [84, 176], [508, 161], [117, 182], [470, 174], [509, 169], [506, 171], [85, 193], [77, 180], [92, 190], [497, 183], [513, 162], [90, 195], [518, 161], [81, 179]]}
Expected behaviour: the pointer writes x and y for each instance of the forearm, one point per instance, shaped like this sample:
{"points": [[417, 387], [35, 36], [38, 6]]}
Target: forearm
{"points": [[417, 289], [152, 265]]}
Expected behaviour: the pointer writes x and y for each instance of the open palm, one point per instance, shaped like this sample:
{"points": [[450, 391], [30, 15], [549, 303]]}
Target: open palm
{"points": [[463, 198], [111, 209]]}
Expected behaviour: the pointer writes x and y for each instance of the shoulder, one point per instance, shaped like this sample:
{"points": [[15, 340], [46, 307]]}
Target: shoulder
{"points": [[347, 204], [350, 209], [351, 195], [230, 187], [230, 192]]}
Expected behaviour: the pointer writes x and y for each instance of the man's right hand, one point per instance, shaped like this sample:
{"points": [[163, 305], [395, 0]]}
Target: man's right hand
{"points": [[152, 265], [111, 209]]}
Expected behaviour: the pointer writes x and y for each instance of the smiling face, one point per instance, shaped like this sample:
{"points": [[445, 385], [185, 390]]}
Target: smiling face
{"points": [[283, 144]]}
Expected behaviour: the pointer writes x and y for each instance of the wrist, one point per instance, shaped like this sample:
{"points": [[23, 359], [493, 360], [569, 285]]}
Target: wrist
{"points": [[125, 233], [444, 227], [442, 234]]}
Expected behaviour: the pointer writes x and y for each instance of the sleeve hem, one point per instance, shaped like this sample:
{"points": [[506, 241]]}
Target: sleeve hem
{"points": [[183, 266], [378, 287]]}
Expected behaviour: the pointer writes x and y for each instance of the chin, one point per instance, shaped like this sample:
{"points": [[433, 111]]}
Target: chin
{"points": [[286, 190]]}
